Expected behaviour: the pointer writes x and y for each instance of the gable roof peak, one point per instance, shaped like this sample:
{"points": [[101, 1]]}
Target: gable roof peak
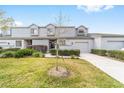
{"points": [[33, 24], [82, 26], [50, 24]]}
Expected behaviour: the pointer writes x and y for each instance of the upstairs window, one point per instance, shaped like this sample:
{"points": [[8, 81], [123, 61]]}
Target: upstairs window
{"points": [[34, 31], [50, 31], [62, 42], [81, 31]]}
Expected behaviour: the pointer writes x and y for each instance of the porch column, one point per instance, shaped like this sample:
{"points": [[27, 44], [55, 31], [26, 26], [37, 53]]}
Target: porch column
{"points": [[23, 44]]}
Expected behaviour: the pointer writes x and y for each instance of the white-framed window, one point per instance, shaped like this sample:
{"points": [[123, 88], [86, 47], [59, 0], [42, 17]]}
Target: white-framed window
{"points": [[81, 31], [34, 31], [18, 43], [62, 42], [50, 31]]}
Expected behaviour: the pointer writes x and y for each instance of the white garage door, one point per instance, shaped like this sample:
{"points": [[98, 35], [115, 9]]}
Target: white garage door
{"points": [[115, 45], [83, 46]]}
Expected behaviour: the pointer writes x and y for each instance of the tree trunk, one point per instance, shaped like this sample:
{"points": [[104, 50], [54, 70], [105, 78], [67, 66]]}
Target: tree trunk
{"points": [[57, 54]]}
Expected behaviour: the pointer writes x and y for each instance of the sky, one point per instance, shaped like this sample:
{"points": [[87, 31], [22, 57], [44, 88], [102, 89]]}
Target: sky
{"points": [[97, 18]]}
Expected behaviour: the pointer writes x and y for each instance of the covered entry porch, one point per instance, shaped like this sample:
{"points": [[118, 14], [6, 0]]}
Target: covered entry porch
{"points": [[40, 45]]}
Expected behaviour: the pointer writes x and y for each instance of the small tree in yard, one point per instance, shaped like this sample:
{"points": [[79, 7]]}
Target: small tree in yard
{"points": [[60, 20], [5, 22], [59, 71]]}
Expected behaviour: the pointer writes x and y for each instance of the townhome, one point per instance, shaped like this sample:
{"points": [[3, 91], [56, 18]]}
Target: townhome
{"points": [[70, 37]]}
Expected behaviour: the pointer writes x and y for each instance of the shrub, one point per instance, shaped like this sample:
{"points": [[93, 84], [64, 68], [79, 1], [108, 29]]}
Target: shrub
{"points": [[8, 49], [24, 52], [110, 53], [1, 51], [19, 54], [66, 52], [116, 54], [37, 54], [11, 49], [99, 52], [41, 48], [43, 55], [53, 51], [75, 52], [0, 47], [7, 54]]}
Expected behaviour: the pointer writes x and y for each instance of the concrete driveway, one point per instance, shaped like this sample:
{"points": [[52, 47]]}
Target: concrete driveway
{"points": [[112, 67]]}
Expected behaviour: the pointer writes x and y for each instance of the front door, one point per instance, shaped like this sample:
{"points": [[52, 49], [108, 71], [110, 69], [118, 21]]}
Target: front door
{"points": [[52, 44], [29, 42]]}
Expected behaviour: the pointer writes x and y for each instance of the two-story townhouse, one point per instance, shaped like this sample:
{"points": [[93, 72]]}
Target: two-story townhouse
{"points": [[70, 37]]}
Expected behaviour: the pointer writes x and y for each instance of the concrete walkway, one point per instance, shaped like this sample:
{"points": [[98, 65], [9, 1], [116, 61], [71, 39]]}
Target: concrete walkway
{"points": [[112, 67]]}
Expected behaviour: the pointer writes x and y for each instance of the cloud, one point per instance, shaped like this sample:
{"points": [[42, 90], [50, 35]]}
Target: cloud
{"points": [[18, 23], [108, 7], [94, 8]]}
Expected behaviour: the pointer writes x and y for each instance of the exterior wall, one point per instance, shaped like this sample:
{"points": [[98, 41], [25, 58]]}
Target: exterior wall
{"points": [[7, 43], [42, 32], [40, 42], [100, 41], [97, 42], [20, 32], [67, 32], [11, 43], [25, 32], [70, 44], [105, 40]]}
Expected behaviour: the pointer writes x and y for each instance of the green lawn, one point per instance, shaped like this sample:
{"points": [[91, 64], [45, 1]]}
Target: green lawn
{"points": [[32, 72]]}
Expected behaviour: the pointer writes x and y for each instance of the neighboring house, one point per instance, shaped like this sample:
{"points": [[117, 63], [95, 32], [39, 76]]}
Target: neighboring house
{"points": [[70, 38]]}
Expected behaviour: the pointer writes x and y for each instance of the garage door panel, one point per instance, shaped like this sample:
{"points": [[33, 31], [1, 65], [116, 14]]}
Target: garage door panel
{"points": [[83, 46], [115, 45]]}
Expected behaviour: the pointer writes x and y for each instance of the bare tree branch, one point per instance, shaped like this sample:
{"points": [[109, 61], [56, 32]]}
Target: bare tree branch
{"points": [[60, 20]]}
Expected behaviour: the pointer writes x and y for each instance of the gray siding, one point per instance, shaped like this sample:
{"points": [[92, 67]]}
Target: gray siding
{"points": [[66, 32], [106, 40], [42, 32], [20, 32]]}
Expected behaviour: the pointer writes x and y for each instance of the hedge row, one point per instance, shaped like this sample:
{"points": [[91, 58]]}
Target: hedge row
{"points": [[116, 54], [66, 52], [110, 53], [8, 49], [21, 53], [99, 52]]}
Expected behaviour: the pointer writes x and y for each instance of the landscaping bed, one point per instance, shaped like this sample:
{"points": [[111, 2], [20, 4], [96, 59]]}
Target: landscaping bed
{"points": [[117, 54], [20, 53], [33, 73], [66, 52]]}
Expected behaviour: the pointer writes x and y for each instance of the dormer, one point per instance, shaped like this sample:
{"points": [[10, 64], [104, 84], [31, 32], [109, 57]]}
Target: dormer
{"points": [[34, 30], [50, 29], [82, 31]]}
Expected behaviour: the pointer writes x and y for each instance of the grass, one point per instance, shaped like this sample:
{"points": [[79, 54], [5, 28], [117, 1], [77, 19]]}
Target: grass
{"points": [[32, 73]]}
